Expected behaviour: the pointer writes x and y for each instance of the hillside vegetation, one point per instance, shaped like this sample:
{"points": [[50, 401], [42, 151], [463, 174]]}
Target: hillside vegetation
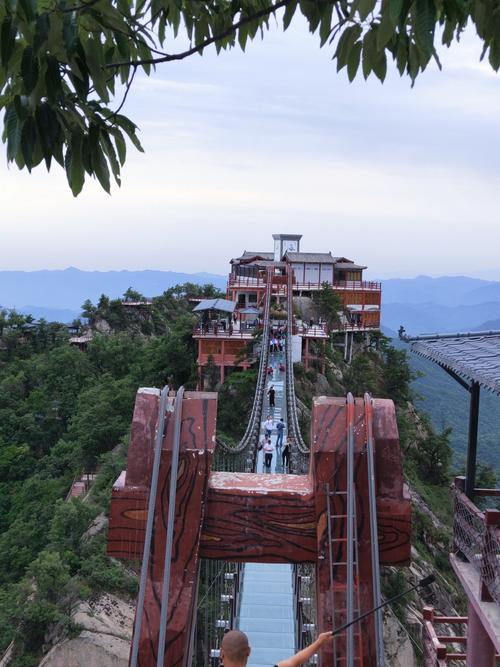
{"points": [[64, 411]]}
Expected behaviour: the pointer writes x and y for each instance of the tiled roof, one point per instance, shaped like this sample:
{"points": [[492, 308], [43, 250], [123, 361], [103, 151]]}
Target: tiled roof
{"points": [[474, 356], [320, 257]]}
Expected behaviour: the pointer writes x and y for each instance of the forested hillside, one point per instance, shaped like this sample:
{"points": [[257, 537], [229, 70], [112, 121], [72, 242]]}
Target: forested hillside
{"points": [[64, 411], [447, 405]]}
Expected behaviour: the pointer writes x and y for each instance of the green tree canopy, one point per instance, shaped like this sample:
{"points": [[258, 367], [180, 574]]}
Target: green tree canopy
{"points": [[62, 60]]}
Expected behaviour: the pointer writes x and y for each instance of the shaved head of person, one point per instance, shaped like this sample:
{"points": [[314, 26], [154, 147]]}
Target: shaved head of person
{"points": [[235, 649]]}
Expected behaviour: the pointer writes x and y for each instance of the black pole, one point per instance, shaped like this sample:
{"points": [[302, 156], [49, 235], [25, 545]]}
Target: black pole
{"points": [[422, 583], [470, 472]]}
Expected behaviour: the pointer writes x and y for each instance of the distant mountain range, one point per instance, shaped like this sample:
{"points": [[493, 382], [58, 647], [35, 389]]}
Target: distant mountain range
{"points": [[447, 304], [58, 295], [421, 304]]}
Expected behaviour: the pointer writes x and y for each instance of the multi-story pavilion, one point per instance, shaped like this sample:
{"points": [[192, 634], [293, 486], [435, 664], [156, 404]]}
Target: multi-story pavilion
{"points": [[312, 271]]}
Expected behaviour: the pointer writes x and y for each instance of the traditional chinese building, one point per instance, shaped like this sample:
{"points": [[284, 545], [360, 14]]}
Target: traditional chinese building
{"points": [[224, 332]]}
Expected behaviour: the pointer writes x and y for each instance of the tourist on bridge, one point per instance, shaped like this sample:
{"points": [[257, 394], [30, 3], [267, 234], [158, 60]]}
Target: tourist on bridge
{"points": [[268, 453], [235, 649], [285, 454], [271, 393], [280, 427], [268, 426]]}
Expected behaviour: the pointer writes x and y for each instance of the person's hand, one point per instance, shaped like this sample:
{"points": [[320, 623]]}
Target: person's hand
{"points": [[324, 637]]}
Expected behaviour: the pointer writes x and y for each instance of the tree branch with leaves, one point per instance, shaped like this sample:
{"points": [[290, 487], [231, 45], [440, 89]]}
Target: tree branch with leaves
{"points": [[61, 61]]}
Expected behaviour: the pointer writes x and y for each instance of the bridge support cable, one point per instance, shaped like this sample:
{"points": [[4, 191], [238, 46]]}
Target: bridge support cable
{"points": [[249, 440], [351, 529], [302, 450], [372, 497], [170, 525], [149, 527]]}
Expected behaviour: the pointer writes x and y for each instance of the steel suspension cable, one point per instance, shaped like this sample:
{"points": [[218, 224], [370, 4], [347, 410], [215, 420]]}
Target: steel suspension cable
{"points": [[350, 529], [149, 527], [372, 496], [253, 426], [174, 467]]}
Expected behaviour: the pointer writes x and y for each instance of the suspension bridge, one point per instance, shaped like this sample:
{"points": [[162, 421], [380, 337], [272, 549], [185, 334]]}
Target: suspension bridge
{"points": [[282, 555]]}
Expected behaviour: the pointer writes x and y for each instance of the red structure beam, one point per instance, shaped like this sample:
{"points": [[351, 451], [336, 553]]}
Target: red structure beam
{"points": [[252, 517]]}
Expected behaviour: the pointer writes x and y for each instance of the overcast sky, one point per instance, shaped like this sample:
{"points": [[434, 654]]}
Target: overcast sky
{"points": [[240, 146]]}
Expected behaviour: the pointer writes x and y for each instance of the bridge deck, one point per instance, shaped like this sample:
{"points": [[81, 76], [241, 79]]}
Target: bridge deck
{"points": [[266, 613]]}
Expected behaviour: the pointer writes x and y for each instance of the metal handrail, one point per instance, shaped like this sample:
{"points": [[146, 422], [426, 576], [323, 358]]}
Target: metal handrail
{"points": [[254, 423], [372, 501], [149, 527], [351, 530], [167, 563], [291, 402]]}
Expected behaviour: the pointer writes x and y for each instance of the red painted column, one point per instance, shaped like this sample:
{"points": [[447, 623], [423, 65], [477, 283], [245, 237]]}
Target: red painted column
{"points": [[480, 649]]}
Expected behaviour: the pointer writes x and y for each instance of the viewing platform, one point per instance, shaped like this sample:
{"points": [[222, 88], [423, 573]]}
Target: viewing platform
{"points": [[476, 563]]}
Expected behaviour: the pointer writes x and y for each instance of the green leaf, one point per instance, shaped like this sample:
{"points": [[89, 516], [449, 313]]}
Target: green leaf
{"points": [[100, 167], [289, 12], [345, 43], [70, 33], [74, 165], [7, 40], [109, 150], [28, 139], [29, 69], [12, 132], [369, 52], [325, 27], [380, 66], [48, 130], [353, 60], [53, 80], [364, 7], [425, 23], [42, 28], [129, 128], [242, 37], [395, 8], [121, 146], [402, 54], [29, 9]]}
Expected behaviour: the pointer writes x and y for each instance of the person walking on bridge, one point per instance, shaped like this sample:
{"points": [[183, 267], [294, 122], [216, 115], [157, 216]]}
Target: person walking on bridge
{"points": [[235, 649], [271, 393], [280, 427], [268, 426], [268, 453], [285, 454]]}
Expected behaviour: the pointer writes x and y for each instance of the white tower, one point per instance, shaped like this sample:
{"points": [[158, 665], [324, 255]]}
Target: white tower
{"points": [[284, 243]]}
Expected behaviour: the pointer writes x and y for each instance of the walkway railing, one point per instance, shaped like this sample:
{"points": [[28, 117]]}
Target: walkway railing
{"points": [[245, 330], [341, 285], [300, 451], [440, 649], [246, 449], [476, 535], [245, 281]]}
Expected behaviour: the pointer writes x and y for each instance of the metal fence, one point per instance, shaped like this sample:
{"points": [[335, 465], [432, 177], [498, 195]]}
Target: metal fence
{"points": [[476, 535]]}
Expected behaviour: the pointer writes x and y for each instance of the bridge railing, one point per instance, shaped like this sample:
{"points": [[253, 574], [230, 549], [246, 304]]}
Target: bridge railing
{"points": [[441, 649], [476, 534], [300, 451], [246, 449]]}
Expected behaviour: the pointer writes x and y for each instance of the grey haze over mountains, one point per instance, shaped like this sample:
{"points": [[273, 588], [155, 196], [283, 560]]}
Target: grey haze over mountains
{"points": [[447, 304], [58, 295], [421, 304]]}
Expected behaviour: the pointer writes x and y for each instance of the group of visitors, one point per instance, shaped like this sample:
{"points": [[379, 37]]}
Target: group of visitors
{"points": [[267, 445]]}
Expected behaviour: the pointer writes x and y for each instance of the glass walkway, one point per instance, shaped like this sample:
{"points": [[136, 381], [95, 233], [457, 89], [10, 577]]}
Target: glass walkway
{"points": [[266, 611]]}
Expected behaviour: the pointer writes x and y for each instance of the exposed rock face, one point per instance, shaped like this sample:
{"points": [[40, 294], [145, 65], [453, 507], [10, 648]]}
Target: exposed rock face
{"points": [[105, 638], [89, 650], [398, 647]]}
